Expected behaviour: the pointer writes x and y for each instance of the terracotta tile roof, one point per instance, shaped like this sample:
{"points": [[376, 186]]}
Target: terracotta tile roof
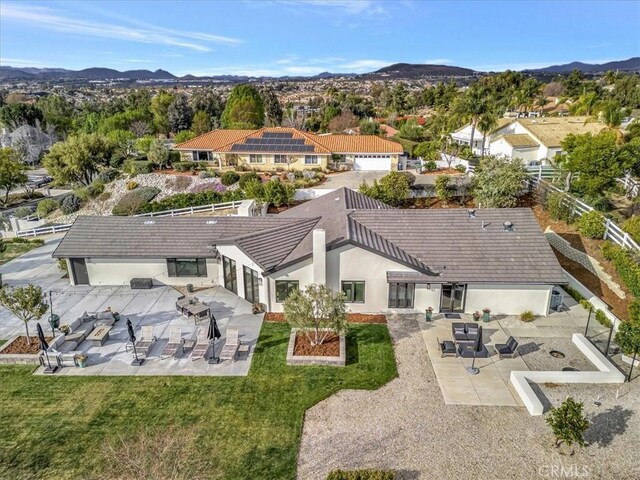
{"points": [[551, 131], [224, 140], [519, 140], [214, 140]]}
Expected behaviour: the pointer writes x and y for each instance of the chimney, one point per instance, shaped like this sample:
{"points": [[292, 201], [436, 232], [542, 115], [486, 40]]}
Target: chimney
{"points": [[319, 257]]}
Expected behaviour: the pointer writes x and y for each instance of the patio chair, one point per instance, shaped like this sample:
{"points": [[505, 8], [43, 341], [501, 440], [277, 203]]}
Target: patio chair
{"points": [[472, 330], [447, 348], [231, 345], [458, 332], [507, 350], [147, 341], [175, 346], [201, 347]]}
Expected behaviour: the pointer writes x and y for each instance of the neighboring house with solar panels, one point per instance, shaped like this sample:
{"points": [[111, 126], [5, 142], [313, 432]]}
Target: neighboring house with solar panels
{"points": [[291, 149], [382, 258]]}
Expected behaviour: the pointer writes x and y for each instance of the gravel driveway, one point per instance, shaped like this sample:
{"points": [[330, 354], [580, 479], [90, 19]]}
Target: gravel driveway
{"points": [[405, 426]]}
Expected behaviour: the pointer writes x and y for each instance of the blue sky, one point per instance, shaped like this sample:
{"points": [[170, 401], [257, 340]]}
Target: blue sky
{"points": [[306, 37]]}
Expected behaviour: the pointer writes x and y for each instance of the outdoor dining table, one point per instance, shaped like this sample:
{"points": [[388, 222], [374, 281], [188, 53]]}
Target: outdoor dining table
{"points": [[192, 307]]}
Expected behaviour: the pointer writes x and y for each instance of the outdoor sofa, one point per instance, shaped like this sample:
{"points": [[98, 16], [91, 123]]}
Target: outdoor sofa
{"points": [[464, 332]]}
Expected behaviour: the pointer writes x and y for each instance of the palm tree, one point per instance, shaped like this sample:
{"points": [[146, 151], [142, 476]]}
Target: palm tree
{"points": [[612, 117], [488, 121], [541, 102], [473, 105]]}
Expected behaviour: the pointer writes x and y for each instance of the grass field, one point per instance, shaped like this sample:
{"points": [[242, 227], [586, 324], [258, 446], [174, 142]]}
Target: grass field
{"points": [[201, 427], [14, 250]]}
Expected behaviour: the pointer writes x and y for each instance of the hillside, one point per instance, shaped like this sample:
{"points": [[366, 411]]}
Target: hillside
{"points": [[632, 64], [414, 70]]}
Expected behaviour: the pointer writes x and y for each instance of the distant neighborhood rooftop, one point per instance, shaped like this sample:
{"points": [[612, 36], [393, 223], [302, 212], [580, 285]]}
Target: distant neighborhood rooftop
{"points": [[287, 141]]}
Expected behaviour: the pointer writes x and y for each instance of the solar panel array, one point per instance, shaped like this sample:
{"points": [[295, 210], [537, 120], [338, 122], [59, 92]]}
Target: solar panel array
{"points": [[273, 142]]}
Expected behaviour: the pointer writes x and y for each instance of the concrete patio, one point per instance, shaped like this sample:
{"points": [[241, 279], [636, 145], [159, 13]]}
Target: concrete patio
{"points": [[155, 307], [492, 386]]}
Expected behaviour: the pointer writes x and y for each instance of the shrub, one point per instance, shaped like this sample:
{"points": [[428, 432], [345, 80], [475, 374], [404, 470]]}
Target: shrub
{"points": [[603, 319], [627, 265], [95, 189], [132, 202], [206, 174], [632, 227], [70, 203], [248, 177], [62, 265], [558, 206], [46, 206], [104, 196], [443, 192], [3, 245], [369, 474], [22, 212], [592, 224], [461, 168], [277, 193], [179, 183], [527, 316], [185, 200], [132, 185], [108, 175], [137, 167], [209, 187], [600, 203], [189, 166], [229, 178], [430, 166]]}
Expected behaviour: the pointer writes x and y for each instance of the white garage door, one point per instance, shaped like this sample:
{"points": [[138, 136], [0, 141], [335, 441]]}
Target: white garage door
{"points": [[372, 162]]}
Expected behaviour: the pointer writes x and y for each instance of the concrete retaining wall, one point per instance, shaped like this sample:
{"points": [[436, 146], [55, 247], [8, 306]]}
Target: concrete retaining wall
{"points": [[18, 358]]}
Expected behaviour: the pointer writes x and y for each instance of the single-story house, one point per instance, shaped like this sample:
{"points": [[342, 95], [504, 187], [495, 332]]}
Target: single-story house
{"points": [[538, 139], [382, 258], [291, 149]]}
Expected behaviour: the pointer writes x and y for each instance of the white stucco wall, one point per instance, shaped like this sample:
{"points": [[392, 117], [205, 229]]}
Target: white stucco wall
{"points": [[500, 148], [107, 271], [508, 299], [241, 259]]}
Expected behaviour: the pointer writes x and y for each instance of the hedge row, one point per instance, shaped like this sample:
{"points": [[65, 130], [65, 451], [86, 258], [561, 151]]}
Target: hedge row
{"points": [[186, 200], [132, 202], [627, 265], [370, 474]]}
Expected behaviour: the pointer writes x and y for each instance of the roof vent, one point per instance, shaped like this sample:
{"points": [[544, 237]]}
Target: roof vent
{"points": [[212, 222], [149, 222], [508, 226], [472, 213]]}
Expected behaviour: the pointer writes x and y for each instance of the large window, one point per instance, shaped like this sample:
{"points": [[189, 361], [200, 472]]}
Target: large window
{"points": [[279, 159], [354, 291], [229, 274], [199, 156], [251, 284], [254, 158], [401, 295], [311, 159], [284, 289], [187, 267]]}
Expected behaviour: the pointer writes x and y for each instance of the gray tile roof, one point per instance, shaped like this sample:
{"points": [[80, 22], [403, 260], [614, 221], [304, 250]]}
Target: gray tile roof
{"points": [[441, 245]]}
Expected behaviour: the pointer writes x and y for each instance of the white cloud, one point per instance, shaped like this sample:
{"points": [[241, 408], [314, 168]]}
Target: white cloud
{"points": [[358, 66], [352, 7], [50, 20], [22, 62]]}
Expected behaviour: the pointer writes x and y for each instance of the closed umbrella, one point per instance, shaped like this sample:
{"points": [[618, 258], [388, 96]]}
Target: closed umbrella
{"points": [[132, 338], [477, 347], [213, 334], [44, 346]]}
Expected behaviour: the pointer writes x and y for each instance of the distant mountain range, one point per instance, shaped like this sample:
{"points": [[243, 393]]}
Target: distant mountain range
{"points": [[395, 71]]}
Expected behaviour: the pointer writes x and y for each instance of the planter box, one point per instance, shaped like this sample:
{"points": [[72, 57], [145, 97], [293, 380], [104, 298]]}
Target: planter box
{"points": [[629, 360], [18, 358], [337, 361]]}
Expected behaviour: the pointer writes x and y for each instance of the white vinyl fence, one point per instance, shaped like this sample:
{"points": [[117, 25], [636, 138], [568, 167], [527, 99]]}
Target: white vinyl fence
{"points": [[612, 231], [35, 232], [631, 186]]}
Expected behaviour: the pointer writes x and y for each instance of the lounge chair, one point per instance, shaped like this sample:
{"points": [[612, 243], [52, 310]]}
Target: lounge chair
{"points": [[175, 347], [507, 350], [201, 347], [146, 342], [447, 348], [231, 346]]}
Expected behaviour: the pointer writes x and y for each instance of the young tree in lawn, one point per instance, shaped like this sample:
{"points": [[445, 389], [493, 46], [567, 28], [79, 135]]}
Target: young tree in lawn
{"points": [[158, 153], [12, 172], [27, 303], [568, 423], [318, 311], [498, 182]]}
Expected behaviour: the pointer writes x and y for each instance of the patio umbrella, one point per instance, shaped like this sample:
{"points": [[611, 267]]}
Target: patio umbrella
{"points": [[477, 347], [132, 338], [213, 334], [44, 346]]}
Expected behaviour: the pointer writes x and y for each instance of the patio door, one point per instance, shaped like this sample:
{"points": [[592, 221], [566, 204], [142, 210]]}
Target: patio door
{"points": [[229, 274], [79, 271], [251, 284], [453, 295]]}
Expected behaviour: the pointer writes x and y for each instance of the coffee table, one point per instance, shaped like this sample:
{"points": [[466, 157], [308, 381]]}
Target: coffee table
{"points": [[99, 336]]}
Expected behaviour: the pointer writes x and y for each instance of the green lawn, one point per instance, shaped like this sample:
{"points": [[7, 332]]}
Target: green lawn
{"points": [[231, 428], [14, 250]]}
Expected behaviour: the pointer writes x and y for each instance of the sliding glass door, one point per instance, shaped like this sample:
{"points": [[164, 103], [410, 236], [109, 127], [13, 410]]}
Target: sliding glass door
{"points": [[229, 274], [251, 285]]}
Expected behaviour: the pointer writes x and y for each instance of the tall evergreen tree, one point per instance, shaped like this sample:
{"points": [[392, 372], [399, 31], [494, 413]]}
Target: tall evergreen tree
{"points": [[244, 109], [272, 107], [179, 114]]}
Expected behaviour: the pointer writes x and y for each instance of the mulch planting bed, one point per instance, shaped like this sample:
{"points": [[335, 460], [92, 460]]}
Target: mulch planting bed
{"points": [[329, 348], [443, 171], [20, 345], [351, 318]]}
